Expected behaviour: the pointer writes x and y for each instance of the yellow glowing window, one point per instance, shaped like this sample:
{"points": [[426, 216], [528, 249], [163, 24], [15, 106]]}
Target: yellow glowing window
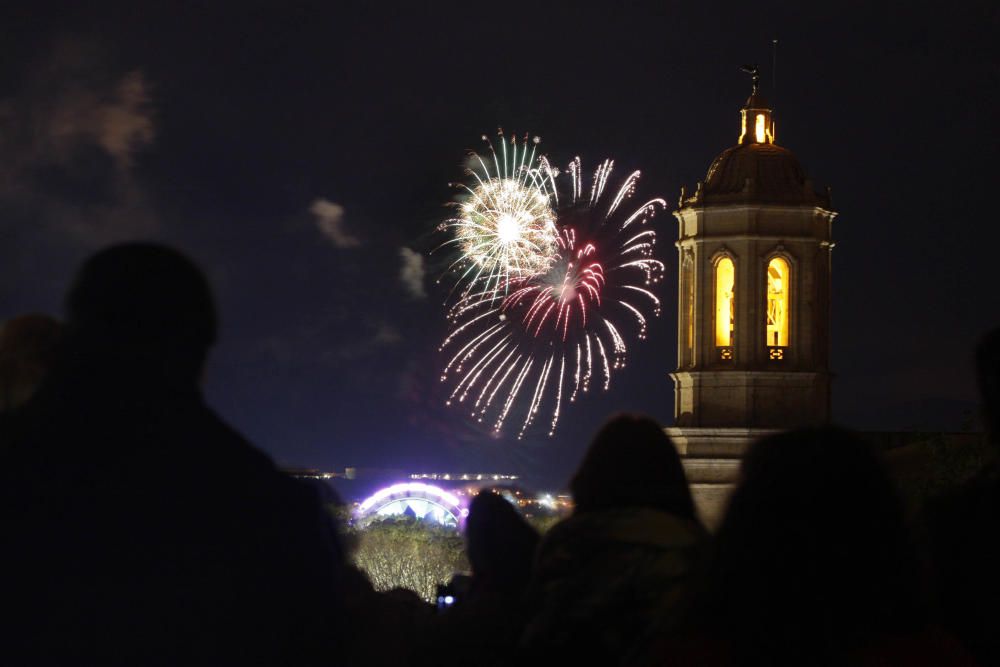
{"points": [[760, 129], [725, 302], [777, 302]]}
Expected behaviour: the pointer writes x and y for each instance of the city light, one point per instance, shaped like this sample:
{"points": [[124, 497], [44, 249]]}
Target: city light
{"points": [[465, 476]]}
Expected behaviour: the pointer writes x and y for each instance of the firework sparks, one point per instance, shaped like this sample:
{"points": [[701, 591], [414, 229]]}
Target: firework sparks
{"points": [[548, 331], [505, 227]]}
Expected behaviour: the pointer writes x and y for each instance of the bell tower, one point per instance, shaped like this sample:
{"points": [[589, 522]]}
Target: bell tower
{"points": [[754, 302]]}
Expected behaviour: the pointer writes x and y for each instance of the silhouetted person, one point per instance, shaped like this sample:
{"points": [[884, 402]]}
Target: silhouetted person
{"points": [[964, 532], [373, 616], [27, 351], [500, 545], [138, 528], [485, 623], [609, 574], [812, 565]]}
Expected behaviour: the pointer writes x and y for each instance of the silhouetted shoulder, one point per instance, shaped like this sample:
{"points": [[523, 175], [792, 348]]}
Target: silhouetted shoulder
{"points": [[964, 550], [138, 526]]}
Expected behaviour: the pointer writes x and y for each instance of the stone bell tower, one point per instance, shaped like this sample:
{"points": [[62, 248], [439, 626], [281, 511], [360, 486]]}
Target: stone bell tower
{"points": [[754, 304]]}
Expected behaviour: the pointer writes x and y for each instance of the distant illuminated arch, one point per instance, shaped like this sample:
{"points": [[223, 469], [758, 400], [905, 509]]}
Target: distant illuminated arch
{"points": [[423, 501]]}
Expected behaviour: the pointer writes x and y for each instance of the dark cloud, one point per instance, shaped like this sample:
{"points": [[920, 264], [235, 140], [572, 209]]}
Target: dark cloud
{"points": [[412, 272], [330, 221], [69, 138]]}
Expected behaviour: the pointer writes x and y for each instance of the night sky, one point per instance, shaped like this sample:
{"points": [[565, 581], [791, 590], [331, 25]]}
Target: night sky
{"points": [[302, 156]]}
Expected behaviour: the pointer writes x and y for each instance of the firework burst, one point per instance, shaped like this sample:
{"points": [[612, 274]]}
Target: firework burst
{"points": [[555, 330], [505, 226]]}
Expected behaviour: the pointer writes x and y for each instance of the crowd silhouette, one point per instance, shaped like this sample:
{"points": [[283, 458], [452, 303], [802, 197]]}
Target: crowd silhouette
{"points": [[138, 528]]}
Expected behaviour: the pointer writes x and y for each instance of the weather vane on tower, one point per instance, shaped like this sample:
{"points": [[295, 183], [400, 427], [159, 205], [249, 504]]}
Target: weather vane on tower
{"points": [[754, 73]]}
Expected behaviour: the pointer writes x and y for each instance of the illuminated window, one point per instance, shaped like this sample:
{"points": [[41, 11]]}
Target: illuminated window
{"points": [[777, 302], [725, 302], [760, 128]]}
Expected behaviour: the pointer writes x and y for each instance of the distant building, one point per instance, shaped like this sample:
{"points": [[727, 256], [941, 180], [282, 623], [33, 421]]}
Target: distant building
{"points": [[464, 476], [372, 473], [754, 247], [311, 473]]}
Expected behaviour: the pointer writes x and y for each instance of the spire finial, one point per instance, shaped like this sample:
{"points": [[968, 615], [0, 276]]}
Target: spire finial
{"points": [[756, 123], [754, 73]]}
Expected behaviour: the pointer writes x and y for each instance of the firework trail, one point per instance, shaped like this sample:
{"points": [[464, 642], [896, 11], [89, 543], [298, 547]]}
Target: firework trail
{"points": [[544, 336], [505, 226]]}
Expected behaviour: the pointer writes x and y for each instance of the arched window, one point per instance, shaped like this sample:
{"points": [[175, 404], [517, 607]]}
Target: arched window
{"points": [[760, 131], [687, 288], [778, 283], [725, 307]]}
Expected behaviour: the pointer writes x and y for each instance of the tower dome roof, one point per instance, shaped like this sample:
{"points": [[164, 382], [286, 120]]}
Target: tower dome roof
{"points": [[758, 172]]}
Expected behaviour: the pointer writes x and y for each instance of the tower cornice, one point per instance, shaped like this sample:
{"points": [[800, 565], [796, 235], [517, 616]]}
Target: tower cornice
{"points": [[752, 207]]}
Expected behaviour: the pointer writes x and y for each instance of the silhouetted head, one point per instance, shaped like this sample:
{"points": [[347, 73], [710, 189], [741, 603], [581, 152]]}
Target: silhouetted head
{"points": [[632, 463], [813, 553], [988, 372], [500, 543], [27, 351], [145, 304]]}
